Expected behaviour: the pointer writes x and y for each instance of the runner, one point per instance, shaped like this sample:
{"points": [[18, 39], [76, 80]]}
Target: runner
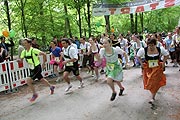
{"points": [[114, 69], [71, 63], [94, 49], [31, 56], [153, 76]]}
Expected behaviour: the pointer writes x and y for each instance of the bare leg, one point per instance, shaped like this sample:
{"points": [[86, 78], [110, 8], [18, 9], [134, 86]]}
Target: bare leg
{"points": [[29, 82], [79, 78], [111, 84], [96, 72], [119, 84], [55, 70], [65, 77], [45, 82]]}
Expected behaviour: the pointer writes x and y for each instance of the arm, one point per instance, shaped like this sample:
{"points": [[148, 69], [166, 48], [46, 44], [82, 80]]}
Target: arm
{"points": [[165, 54], [140, 53], [44, 57]]}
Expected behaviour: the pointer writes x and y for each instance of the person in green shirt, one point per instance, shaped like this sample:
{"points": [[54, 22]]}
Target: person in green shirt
{"points": [[31, 55]]}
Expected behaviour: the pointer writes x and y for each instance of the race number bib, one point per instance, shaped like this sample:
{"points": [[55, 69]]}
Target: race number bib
{"points": [[57, 59], [69, 64], [95, 59], [153, 63], [110, 66], [84, 50]]}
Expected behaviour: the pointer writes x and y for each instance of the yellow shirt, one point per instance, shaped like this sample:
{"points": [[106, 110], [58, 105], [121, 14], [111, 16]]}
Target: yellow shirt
{"points": [[34, 60]]}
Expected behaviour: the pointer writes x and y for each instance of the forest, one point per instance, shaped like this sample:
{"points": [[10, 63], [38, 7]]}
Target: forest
{"points": [[45, 19]]}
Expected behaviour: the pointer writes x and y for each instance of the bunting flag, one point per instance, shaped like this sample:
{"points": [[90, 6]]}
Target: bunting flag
{"points": [[132, 7]]}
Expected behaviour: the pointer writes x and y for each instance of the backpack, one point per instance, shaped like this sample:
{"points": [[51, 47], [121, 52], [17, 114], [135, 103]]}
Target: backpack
{"points": [[30, 57]]}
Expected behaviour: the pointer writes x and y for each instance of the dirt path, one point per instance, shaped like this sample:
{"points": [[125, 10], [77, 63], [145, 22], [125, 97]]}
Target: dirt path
{"points": [[92, 102]]}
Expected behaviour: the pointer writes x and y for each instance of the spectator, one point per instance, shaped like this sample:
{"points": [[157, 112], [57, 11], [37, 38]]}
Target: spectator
{"points": [[6, 45], [34, 44], [20, 48], [2, 54]]}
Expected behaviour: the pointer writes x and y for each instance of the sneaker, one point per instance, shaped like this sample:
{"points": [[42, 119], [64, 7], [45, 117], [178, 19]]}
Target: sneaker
{"points": [[102, 71], [81, 85], [175, 65], [96, 77], [121, 92], [58, 79], [52, 89], [151, 101], [113, 96], [68, 88], [33, 97]]}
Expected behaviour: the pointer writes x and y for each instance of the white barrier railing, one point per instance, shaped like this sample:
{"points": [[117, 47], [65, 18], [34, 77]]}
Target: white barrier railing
{"points": [[13, 74], [4, 78]]}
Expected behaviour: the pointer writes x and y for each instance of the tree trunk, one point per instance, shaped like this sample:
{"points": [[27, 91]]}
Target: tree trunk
{"points": [[107, 23], [141, 20], [79, 16], [23, 19], [9, 22], [67, 23], [43, 31], [136, 23], [132, 22], [51, 16], [89, 17]]}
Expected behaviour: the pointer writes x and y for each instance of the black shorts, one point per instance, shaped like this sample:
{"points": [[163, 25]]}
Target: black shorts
{"points": [[173, 55], [74, 68], [36, 72]]}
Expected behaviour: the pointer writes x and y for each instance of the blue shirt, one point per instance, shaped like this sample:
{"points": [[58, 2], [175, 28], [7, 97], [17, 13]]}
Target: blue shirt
{"points": [[56, 51], [168, 45]]}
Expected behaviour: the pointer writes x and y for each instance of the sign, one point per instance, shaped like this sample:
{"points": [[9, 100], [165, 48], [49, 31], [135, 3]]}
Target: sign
{"points": [[133, 7]]}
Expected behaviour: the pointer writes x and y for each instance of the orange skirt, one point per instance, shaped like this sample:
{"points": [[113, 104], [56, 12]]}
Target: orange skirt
{"points": [[153, 78]]}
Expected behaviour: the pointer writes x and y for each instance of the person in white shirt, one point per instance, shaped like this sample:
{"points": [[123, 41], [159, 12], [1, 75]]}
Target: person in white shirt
{"points": [[153, 67], [71, 63], [84, 46]]}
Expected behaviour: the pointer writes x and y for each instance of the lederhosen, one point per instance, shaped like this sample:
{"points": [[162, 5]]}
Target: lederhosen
{"points": [[74, 67], [86, 58]]}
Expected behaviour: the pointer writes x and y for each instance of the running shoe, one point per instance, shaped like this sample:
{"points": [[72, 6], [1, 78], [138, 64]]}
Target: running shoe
{"points": [[113, 96], [81, 85], [151, 101], [52, 89], [58, 79], [68, 88], [33, 97], [121, 92], [102, 71]]}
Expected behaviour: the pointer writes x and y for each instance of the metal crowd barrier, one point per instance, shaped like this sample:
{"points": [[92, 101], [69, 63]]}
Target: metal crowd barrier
{"points": [[13, 74]]}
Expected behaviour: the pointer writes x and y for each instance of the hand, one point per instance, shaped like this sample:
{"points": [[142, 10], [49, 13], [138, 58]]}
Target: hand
{"points": [[64, 62], [61, 54]]}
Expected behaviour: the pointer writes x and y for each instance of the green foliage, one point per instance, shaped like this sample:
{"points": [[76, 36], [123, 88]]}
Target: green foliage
{"points": [[47, 18]]}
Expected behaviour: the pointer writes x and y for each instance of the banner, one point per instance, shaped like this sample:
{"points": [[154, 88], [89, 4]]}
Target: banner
{"points": [[132, 7]]}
